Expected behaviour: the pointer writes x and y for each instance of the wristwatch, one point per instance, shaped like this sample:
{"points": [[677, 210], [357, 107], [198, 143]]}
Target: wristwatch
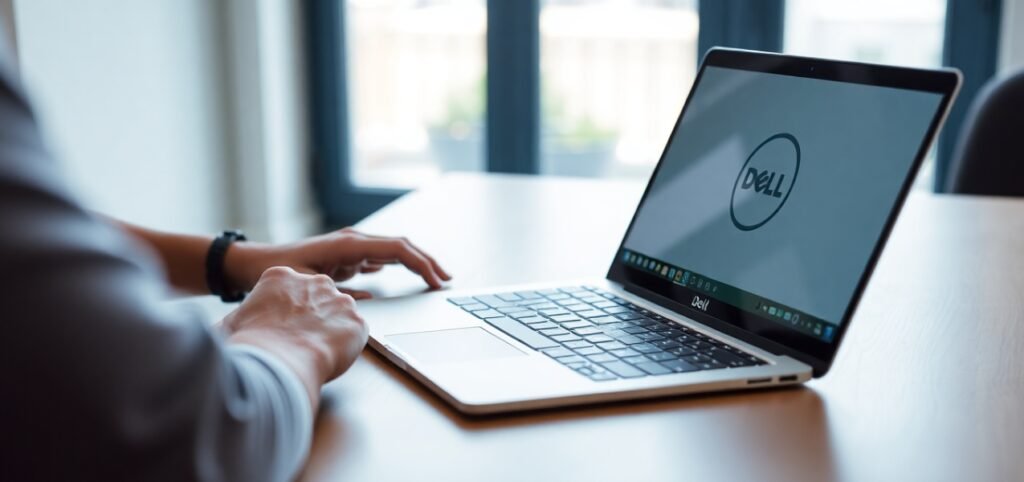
{"points": [[215, 266]]}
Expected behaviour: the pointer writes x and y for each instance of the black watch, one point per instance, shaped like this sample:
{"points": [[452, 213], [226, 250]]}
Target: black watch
{"points": [[215, 266]]}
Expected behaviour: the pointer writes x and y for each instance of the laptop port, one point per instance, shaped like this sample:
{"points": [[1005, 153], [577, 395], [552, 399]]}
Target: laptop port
{"points": [[788, 378], [757, 381]]}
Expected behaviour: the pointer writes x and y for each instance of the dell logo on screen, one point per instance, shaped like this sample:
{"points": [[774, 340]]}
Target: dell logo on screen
{"points": [[699, 303], [765, 182]]}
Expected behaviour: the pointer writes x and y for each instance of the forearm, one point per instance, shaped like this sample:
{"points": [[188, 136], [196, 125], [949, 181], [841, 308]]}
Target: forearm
{"points": [[184, 258]]}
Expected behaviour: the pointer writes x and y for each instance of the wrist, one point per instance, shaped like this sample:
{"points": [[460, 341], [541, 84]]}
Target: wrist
{"points": [[244, 263]]}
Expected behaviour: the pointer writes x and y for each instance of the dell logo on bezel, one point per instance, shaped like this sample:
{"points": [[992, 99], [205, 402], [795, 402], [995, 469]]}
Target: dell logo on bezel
{"points": [[702, 304]]}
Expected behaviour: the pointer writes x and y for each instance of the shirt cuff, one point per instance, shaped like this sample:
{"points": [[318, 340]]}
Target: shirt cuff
{"points": [[298, 434]]}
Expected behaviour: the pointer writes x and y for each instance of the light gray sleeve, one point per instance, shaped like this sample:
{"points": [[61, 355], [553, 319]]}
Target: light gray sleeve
{"points": [[101, 380]]}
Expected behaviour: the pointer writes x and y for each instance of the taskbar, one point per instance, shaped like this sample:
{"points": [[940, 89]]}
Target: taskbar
{"points": [[744, 300]]}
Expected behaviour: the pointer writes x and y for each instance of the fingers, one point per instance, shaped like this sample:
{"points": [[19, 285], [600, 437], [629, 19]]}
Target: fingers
{"points": [[405, 253], [437, 268]]}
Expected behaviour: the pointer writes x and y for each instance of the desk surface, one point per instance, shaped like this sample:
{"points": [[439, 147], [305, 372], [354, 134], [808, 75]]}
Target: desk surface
{"points": [[927, 385]]}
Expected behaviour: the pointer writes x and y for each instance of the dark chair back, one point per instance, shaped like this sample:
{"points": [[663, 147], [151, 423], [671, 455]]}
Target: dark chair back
{"points": [[989, 156]]}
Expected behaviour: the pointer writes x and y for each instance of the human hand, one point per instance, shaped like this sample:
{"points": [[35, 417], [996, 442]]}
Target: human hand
{"points": [[305, 321], [340, 255]]}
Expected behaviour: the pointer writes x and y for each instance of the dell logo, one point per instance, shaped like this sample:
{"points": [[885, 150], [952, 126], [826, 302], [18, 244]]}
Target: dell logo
{"points": [[762, 182], [699, 303], [765, 182]]}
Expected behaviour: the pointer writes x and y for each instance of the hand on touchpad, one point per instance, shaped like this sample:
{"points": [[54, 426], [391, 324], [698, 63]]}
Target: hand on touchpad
{"points": [[460, 344]]}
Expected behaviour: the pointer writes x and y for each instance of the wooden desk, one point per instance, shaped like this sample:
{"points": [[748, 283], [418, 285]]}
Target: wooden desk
{"points": [[928, 385]]}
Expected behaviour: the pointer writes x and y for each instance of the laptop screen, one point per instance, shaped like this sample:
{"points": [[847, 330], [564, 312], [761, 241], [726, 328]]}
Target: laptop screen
{"points": [[773, 193]]}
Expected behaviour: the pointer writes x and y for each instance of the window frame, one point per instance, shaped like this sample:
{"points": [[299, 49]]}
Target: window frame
{"points": [[513, 121]]}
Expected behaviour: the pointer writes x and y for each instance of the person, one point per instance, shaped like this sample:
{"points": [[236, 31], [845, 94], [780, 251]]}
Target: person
{"points": [[104, 381]]}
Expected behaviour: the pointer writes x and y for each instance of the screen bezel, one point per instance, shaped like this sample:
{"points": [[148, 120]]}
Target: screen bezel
{"points": [[751, 328]]}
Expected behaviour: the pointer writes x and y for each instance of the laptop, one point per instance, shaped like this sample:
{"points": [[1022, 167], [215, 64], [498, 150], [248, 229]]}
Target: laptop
{"points": [[743, 263]]}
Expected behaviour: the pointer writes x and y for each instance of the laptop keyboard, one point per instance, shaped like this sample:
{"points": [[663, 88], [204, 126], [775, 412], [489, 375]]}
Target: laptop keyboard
{"points": [[602, 336]]}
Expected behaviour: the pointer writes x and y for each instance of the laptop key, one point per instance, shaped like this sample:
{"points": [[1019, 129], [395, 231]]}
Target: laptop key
{"points": [[566, 338], [629, 316], [543, 326], [485, 314], [666, 344], [624, 352], [611, 345], [602, 377], [726, 358], [509, 297], [653, 368], [633, 330], [633, 360], [564, 318], [591, 313], [527, 295], [572, 325], [558, 351], [679, 366], [661, 356], [598, 338], [649, 336], [576, 345], [623, 370], [603, 320], [682, 351], [588, 330], [566, 360], [554, 332], [522, 332], [529, 320], [602, 358], [614, 310], [629, 339], [466, 300], [475, 307], [590, 350], [553, 311], [645, 348]]}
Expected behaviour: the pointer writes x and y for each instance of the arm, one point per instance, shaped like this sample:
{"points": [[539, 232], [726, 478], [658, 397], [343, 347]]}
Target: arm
{"points": [[340, 255], [103, 381]]}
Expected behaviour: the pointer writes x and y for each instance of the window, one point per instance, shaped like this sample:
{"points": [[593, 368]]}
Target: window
{"points": [[416, 89], [399, 88], [614, 75], [908, 32]]}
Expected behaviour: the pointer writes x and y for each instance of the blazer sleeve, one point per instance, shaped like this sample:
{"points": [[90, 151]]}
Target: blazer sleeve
{"points": [[103, 381]]}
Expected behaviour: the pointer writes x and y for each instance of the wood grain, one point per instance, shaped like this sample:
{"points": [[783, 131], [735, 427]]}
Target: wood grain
{"points": [[927, 386]]}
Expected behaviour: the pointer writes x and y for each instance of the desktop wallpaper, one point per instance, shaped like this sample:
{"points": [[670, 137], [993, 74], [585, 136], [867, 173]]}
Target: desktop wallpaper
{"points": [[781, 185]]}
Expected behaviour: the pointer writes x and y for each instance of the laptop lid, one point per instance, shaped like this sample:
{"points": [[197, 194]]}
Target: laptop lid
{"points": [[776, 192]]}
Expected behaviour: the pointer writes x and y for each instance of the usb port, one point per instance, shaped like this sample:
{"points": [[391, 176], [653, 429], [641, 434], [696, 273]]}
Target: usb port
{"points": [[756, 381], [788, 378]]}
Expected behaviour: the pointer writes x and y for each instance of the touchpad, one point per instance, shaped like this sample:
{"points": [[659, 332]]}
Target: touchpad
{"points": [[460, 344]]}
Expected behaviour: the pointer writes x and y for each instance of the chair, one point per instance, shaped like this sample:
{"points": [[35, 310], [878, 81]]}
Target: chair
{"points": [[989, 156]]}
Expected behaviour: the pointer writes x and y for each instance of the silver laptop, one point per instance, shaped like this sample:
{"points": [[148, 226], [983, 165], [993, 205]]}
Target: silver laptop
{"points": [[743, 263]]}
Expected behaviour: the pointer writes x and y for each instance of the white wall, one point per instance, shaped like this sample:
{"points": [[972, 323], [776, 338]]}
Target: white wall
{"points": [[183, 115], [130, 94]]}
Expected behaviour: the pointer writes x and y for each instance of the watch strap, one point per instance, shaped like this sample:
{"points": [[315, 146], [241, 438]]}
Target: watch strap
{"points": [[215, 266]]}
